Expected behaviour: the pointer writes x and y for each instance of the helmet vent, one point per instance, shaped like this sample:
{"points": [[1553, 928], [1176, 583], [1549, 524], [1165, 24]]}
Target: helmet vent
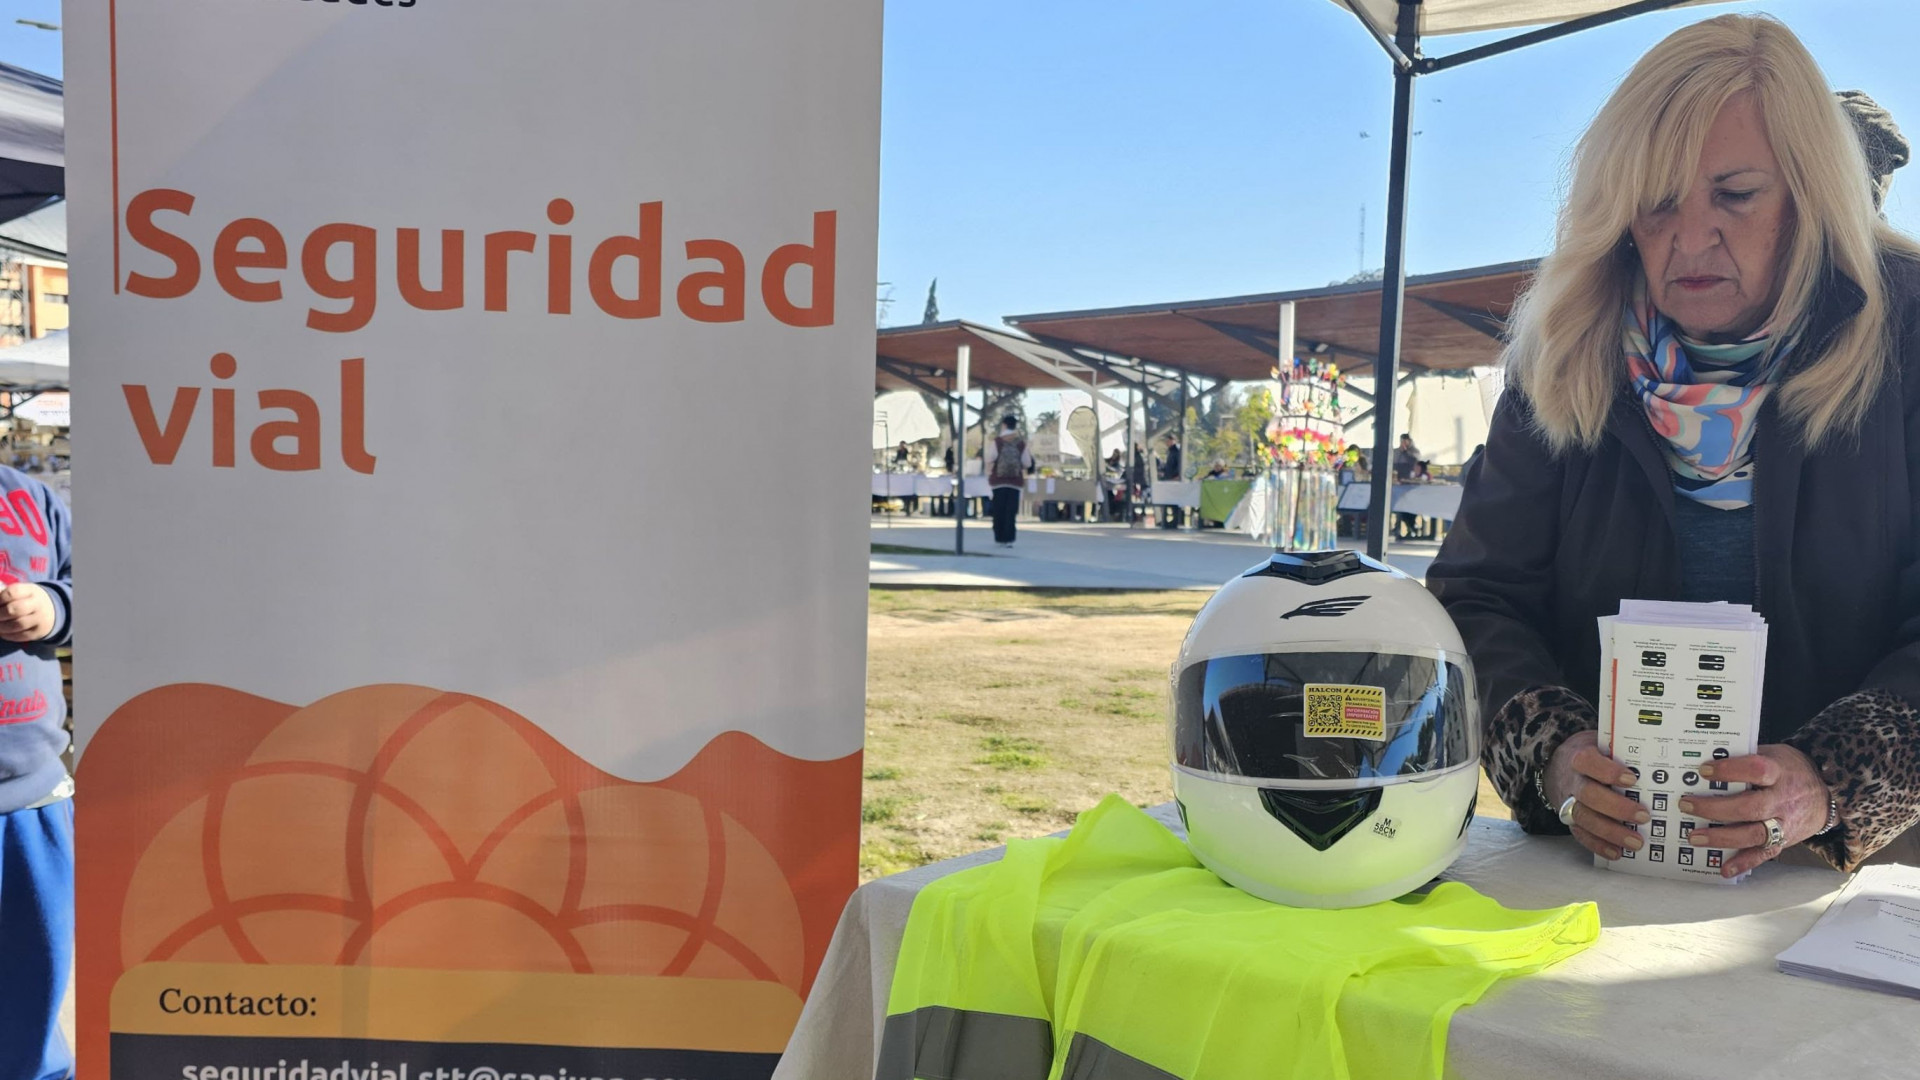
{"points": [[1317, 567], [1320, 818]]}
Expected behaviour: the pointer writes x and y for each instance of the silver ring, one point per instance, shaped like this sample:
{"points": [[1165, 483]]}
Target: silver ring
{"points": [[1566, 811], [1776, 836]]}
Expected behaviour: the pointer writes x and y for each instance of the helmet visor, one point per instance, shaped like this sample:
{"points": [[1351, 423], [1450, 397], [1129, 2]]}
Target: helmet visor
{"points": [[1326, 716]]}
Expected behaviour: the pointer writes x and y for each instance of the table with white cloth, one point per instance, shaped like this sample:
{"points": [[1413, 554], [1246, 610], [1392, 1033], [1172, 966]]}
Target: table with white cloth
{"points": [[1680, 985], [1421, 500], [903, 485], [1053, 497], [1182, 493]]}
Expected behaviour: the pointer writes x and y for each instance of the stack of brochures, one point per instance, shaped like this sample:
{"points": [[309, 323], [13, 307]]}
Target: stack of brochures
{"points": [[1679, 688], [1869, 936]]}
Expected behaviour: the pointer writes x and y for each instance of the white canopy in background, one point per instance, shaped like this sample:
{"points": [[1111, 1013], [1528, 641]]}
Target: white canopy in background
{"points": [[40, 364], [1465, 16], [902, 416], [1112, 422]]}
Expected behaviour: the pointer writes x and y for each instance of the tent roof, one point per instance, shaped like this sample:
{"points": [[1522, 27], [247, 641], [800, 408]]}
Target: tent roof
{"points": [[42, 233], [1465, 16], [40, 364], [1452, 322], [33, 161], [929, 351]]}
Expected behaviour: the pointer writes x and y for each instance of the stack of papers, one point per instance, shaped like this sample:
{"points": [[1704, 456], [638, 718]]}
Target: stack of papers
{"points": [[1869, 936], [1679, 687]]}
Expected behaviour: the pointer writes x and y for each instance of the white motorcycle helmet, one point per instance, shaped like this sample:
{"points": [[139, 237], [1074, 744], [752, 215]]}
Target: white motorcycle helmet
{"points": [[1326, 735]]}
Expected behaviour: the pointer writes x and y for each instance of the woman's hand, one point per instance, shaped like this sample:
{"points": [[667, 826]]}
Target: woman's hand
{"points": [[1578, 768], [1785, 786]]}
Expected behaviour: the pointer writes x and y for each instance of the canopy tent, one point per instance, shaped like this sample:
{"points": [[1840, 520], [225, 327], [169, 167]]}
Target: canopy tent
{"points": [[33, 156], [902, 417], [1399, 26], [35, 366], [1466, 16]]}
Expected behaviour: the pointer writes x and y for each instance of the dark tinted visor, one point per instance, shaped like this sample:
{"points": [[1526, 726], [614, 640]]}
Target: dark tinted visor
{"points": [[1325, 716]]}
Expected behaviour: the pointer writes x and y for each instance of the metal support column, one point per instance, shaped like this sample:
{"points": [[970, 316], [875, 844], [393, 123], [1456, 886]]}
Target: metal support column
{"points": [[1191, 521], [1099, 462], [1393, 284], [963, 369], [1146, 470]]}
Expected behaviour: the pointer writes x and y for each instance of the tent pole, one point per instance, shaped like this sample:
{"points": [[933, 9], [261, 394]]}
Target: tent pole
{"points": [[1393, 287], [1146, 479], [1099, 462], [963, 368], [1186, 452]]}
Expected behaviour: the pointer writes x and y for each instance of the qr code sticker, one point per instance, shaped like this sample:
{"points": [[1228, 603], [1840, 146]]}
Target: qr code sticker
{"points": [[1345, 712]]}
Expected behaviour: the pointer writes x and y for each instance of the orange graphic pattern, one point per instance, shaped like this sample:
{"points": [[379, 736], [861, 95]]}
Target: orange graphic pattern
{"points": [[405, 827]]}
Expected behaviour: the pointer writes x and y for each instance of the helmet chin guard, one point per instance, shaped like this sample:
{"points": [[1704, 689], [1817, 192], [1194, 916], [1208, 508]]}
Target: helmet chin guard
{"points": [[1325, 732]]}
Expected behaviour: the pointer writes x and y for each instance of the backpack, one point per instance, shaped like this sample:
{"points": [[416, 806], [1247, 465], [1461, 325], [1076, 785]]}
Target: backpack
{"points": [[1008, 468]]}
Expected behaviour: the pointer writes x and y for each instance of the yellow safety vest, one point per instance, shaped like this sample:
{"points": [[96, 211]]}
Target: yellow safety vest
{"points": [[1113, 955]]}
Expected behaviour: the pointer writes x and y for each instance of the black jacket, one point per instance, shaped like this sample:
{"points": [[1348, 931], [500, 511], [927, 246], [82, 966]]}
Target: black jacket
{"points": [[1544, 544]]}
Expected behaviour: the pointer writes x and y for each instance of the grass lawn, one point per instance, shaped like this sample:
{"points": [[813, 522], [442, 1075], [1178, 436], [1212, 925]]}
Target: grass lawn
{"points": [[994, 714]]}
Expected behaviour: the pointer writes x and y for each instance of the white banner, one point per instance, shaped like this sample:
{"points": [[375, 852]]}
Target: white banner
{"points": [[392, 731]]}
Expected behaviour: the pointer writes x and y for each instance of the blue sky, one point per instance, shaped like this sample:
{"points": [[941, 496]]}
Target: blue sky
{"points": [[1042, 155]]}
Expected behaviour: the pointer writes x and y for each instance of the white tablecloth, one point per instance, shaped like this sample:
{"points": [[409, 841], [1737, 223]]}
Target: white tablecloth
{"points": [[1421, 500], [1681, 984], [1044, 488], [901, 485], [1175, 493]]}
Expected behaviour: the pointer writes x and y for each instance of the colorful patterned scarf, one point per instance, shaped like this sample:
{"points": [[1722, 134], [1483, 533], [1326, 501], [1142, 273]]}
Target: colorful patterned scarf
{"points": [[1702, 400]]}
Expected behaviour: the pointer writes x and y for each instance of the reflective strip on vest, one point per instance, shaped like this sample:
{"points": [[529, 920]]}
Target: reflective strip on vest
{"points": [[938, 1043], [1090, 1059]]}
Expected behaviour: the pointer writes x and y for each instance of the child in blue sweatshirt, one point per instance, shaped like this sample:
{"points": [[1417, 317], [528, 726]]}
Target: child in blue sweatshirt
{"points": [[36, 809]]}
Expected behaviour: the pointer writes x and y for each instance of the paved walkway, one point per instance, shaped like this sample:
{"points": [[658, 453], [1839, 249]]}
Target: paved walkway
{"points": [[1079, 556]]}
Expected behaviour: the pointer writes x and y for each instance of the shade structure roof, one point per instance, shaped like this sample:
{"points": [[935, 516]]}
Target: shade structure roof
{"points": [[33, 156], [1453, 322], [1465, 16], [929, 352], [42, 233], [40, 364]]}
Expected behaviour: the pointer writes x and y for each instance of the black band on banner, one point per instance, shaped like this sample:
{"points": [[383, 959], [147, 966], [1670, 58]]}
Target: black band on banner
{"points": [[200, 1057]]}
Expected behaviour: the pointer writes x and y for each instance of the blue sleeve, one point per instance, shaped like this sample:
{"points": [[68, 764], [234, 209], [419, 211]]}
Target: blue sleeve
{"points": [[59, 581]]}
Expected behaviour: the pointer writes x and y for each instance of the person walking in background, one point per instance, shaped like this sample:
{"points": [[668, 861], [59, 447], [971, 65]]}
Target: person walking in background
{"points": [[36, 807], [1007, 465]]}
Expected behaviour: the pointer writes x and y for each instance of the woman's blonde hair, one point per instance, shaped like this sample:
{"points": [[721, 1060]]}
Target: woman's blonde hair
{"points": [[1565, 343]]}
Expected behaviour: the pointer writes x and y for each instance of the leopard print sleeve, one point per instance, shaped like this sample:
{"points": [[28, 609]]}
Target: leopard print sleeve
{"points": [[1521, 736], [1867, 748]]}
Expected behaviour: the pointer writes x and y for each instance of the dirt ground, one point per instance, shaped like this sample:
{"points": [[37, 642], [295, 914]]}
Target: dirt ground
{"points": [[994, 714]]}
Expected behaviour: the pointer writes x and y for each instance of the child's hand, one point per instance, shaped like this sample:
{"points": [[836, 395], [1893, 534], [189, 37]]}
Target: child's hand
{"points": [[26, 613]]}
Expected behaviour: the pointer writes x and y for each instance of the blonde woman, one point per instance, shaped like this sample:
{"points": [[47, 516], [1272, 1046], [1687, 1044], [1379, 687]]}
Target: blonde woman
{"points": [[1714, 396]]}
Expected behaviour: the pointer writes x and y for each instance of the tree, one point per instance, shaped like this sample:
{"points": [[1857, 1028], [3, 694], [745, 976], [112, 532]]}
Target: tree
{"points": [[932, 314]]}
